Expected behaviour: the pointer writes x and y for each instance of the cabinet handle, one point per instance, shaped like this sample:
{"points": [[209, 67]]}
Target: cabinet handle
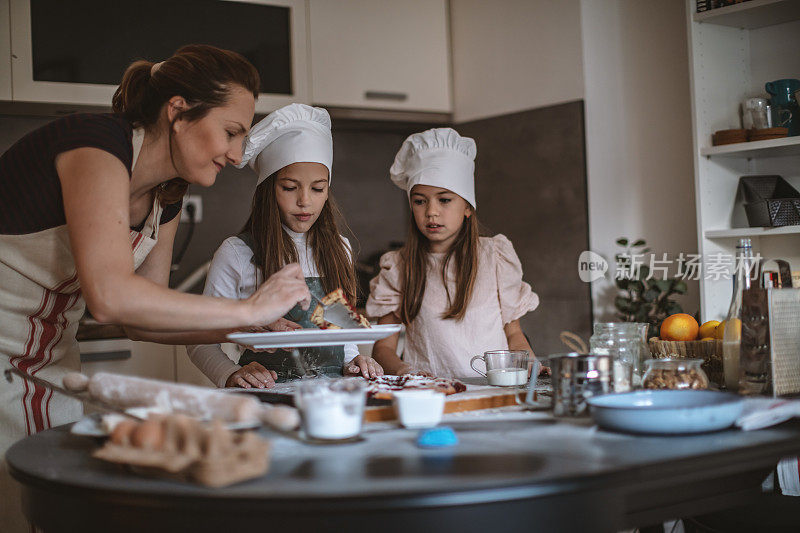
{"points": [[383, 95], [105, 356]]}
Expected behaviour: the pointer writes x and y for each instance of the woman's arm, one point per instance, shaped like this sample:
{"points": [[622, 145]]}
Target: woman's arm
{"points": [[96, 192], [384, 351]]}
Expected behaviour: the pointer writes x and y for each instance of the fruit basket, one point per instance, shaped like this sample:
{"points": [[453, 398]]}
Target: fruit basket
{"points": [[710, 351]]}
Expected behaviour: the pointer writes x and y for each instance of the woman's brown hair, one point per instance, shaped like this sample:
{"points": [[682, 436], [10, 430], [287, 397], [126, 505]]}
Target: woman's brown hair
{"points": [[464, 254], [203, 75], [273, 248]]}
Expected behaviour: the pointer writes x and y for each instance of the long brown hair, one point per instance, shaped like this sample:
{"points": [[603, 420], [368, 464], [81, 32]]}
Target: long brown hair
{"points": [[415, 256], [203, 75], [273, 248]]}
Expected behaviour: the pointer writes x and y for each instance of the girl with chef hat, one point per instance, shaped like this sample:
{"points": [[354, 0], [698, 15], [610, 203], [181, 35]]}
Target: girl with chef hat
{"points": [[457, 293], [293, 219]]}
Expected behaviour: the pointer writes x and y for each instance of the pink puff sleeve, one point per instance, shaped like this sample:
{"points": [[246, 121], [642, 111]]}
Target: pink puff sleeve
{"points": [[384, 289], [516, 297]]}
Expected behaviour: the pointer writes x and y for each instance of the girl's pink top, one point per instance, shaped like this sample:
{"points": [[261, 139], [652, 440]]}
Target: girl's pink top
{"points": [[445, 347]]}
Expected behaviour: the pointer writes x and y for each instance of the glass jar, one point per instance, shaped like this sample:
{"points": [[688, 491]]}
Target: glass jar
{"points": [[623, 341], [676, 374]]}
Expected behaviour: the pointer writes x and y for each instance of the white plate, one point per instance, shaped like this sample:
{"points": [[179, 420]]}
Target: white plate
{"points": [[666, 411], [314, 337]]}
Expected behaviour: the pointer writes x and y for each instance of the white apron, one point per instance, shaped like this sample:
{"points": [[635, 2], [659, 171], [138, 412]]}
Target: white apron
{"points": [[40, 306]]}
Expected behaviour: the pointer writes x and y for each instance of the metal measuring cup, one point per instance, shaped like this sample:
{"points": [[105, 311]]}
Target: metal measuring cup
{"points": [[575, 377]]}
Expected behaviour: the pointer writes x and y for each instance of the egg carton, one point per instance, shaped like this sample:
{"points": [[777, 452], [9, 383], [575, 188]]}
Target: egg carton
{"points": [[182, 448]]}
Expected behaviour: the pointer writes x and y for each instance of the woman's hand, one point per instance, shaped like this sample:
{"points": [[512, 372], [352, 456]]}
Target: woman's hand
{"points": [[279, 325], [363, 365], [252, 375], [276, 296]]}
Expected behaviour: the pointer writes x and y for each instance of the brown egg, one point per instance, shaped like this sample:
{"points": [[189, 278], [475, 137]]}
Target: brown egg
{"points": [[149, 434], [122, 432]]}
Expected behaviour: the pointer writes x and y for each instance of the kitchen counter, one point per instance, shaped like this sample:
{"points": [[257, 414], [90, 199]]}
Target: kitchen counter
{"points": [[511, 467]]}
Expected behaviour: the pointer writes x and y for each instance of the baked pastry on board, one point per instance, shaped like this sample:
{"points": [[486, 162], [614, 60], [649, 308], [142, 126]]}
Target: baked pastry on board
{"points": [[382, 387]]}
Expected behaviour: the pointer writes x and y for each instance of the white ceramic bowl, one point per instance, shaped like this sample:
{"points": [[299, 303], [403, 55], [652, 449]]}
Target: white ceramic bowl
{"points": [[418, 409], [666, 411]]}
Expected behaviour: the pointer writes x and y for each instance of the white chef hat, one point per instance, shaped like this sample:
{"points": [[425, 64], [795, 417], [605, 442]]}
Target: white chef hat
{"points": [[296, 133], [439, 157]]}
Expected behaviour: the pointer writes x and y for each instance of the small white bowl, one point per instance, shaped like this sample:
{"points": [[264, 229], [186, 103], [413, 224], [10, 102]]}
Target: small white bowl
{"points": [[419, 409]]}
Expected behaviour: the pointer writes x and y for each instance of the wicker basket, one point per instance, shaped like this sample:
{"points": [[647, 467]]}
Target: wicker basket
{"points": [[709, 351]]}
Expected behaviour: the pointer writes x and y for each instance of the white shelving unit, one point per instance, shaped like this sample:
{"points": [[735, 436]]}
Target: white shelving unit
{"points": [[733, 52]]}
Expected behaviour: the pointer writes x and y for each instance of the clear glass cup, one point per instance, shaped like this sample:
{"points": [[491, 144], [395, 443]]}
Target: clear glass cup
{"points": [[625, 343], [676, 374], [504, 368], [331, 409]]}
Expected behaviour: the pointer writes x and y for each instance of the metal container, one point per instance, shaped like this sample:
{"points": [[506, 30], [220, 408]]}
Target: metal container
{"points": [[577, 377]]}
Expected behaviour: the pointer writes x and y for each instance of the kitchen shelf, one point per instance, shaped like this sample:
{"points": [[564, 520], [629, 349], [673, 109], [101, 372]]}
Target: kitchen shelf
{"points": [[750, 232], [752, 14], [786, 146]]}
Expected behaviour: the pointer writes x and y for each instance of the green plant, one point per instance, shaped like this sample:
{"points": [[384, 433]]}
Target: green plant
{"points": [[642, 299]]}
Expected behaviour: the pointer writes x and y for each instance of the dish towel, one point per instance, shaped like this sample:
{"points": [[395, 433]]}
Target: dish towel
{"points": [[760, 413]]}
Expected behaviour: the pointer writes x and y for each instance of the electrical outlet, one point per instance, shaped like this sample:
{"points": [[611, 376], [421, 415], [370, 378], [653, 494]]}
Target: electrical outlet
{"points": [[194, 200]]}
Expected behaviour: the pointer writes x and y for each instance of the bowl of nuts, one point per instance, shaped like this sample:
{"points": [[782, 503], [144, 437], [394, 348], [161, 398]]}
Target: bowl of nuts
{"points": [[675, 374]]}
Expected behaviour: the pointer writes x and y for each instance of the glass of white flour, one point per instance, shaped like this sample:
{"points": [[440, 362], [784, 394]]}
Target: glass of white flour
{"points": [[331, 409]]}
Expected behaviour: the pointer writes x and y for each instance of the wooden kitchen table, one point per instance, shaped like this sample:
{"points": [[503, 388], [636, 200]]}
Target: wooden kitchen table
{"points": [[516, 471]]}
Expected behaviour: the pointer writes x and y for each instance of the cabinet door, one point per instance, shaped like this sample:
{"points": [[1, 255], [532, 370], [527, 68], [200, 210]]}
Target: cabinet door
{"points": [[131, 358], [5, 51], [380, 54], [186, 372]]}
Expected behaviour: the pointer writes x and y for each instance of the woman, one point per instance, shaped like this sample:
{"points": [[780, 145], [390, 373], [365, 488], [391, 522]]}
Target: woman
{"points": [[88, 215]]}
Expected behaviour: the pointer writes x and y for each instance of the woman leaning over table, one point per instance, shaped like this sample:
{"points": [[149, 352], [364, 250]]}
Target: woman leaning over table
{"points": [[88, 215]]}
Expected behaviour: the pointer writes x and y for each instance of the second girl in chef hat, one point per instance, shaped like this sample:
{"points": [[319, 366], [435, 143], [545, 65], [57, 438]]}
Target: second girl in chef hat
{"points": [[293, 219], [458, 294]]}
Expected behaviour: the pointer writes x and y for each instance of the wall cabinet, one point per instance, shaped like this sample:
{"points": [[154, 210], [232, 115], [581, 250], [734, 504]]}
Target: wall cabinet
{"points": [[76, 55], [733, 52], [380, 54]]}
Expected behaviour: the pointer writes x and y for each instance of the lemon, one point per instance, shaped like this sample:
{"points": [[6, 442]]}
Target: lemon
{"points": [[719, 332], [707, 329]]}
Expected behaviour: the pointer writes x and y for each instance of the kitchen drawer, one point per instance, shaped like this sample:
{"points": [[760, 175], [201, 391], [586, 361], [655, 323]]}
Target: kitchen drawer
{"points": [[132, 358]]}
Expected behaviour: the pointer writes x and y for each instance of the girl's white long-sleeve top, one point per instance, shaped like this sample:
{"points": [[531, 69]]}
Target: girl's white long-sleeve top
{"points": [[233, 275]]}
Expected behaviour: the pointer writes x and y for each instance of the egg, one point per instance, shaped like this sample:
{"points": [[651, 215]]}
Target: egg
{"points": [[149, 434], [121, 433]]}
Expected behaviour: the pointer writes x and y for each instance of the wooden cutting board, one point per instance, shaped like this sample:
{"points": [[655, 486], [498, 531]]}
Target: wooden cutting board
{"points": [[475, 398]]}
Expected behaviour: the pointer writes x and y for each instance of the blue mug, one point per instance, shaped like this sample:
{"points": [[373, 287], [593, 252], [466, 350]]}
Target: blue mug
{"points": [[782, 91]]}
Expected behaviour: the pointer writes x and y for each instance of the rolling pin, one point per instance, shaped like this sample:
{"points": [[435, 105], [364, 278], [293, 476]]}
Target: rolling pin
{"points": [[130, 391]]}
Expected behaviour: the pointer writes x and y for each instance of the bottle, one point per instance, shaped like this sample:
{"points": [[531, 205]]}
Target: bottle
{"points": [[732, 338]]}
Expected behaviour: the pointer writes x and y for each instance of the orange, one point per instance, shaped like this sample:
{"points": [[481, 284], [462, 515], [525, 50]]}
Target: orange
{"points": [[679, 327], [707, 329]]}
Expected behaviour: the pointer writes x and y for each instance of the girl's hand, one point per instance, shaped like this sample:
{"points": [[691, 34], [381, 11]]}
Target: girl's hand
{"points": [[276, 296], [252, 375], [363, 365]]}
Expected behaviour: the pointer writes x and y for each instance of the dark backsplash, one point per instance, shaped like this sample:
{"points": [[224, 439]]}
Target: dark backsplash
{"points": [[531, 187]]}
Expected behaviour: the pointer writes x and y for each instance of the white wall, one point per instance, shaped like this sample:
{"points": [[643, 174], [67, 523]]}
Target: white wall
{"points": [[638, 131], [628, 60], [511, 55]]}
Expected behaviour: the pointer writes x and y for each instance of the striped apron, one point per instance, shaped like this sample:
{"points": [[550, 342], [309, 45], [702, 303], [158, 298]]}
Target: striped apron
{"points": [[40, 306]]}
